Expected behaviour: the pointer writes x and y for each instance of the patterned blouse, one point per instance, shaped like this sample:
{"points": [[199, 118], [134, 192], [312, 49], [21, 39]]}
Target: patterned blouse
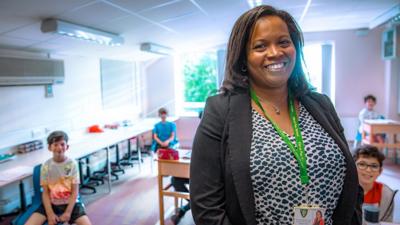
{"points": [[275, 173]]}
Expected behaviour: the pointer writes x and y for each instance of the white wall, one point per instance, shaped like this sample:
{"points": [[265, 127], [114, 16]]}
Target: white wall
{"points": [[186, 130], [76, 104], [159, 79], [25, 107], [359, 69], [392, 88]]}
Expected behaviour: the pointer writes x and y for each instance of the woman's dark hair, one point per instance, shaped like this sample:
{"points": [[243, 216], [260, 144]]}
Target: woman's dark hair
{"points": [[57, 136], [373, 98], [236, 59], [369, 151]]}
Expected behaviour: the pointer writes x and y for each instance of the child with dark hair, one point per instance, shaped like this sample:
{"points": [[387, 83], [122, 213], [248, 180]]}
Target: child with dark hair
{"points": [[164, 136], [164, 132], [59, 179], [369, 162], [368, 113]]}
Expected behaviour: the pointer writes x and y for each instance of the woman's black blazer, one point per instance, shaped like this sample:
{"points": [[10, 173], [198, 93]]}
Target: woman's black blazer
{"points": [[220, 185]]}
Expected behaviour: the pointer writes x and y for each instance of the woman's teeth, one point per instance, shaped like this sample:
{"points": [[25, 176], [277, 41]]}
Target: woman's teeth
{"points": [[276, 66]]}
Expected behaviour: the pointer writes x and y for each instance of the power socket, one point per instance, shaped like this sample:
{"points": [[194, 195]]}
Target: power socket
{"points": [[36, 133]]}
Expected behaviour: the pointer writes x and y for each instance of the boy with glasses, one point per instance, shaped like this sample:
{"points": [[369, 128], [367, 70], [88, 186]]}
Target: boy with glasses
{"points": [[369, 166]]}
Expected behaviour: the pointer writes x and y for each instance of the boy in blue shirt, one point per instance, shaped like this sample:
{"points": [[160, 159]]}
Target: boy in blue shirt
{"points": [[164, 136], [164, 132]]}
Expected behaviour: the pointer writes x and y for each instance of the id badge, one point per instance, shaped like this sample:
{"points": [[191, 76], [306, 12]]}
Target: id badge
{"points": [[309, 215]]}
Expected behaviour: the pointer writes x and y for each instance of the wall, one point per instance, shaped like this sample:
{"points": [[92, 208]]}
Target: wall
{"points": [[159, 79], [186, 129], [359, 69], [76, 104], [392, 87]]}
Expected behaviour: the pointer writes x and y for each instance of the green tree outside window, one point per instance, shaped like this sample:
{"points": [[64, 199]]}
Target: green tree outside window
{"points": [[200, 76]]}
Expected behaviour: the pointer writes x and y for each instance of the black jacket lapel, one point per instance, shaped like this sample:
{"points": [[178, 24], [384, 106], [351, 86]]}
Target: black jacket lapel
{"points": [[240, 133]]}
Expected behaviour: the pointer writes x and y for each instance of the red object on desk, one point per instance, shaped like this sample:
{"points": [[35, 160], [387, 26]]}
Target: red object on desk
{"points": [[95, 129], [167, 154]]}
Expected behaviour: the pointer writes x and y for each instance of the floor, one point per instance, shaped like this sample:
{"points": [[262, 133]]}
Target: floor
{"points": [[133, 200]]}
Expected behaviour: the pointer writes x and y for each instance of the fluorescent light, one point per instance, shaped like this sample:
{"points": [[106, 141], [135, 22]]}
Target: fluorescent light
{"points": [[155, 48], [254, 3], [81, 32]]}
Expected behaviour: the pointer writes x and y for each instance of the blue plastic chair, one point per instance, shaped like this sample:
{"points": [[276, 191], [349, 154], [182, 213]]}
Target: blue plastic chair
{"points": [[36, 199]]}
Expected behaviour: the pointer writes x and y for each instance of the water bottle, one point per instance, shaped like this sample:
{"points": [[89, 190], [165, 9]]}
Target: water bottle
{"points": [[371, 215]]}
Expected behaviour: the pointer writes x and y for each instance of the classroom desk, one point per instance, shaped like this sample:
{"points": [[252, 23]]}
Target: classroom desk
{"points": [[176, 168], [22, 166], [389, 127]]}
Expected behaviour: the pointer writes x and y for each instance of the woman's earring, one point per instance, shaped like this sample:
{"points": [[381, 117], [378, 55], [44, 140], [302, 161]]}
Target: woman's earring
{"points": [[244, 69]]}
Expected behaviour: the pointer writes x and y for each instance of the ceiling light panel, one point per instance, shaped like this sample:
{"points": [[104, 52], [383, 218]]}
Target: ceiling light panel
{"points": [[81, 32]]}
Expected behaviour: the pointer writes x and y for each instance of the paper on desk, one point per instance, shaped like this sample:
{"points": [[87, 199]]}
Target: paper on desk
{"points": [[15, 173], [382, 121]]}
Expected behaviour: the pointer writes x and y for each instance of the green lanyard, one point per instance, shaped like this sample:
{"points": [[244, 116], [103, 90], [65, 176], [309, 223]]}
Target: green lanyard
{"points": [[298, 150]]}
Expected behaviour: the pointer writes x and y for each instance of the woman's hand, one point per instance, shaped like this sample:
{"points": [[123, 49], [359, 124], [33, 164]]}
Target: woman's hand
{"points": [[52, 219]]}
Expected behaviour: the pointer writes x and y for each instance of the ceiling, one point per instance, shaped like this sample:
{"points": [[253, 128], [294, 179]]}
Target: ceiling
{"points": [[180, 24]]}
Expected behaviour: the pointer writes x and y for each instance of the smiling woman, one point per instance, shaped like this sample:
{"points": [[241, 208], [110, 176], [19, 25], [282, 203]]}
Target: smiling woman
{"points": [[269, 145], [271, 54]]}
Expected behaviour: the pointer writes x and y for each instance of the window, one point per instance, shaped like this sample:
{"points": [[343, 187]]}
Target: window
{"points": [[199, 80], [313, 60]]}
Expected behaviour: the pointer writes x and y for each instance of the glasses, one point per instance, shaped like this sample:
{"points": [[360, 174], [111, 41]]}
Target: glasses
{"points": [[364, 166]]}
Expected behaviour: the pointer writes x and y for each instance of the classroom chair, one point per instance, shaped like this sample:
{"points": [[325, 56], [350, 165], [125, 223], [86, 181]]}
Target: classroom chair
{"points": [[36, 199], [125, 153], [167, 168], [116, 166], [84, 171]]}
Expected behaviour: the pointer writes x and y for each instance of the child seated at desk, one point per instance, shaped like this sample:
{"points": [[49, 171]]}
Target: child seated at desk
{"points": [[59, 179], [164, 136], [164, 132], [369, 166], [368, 113]]}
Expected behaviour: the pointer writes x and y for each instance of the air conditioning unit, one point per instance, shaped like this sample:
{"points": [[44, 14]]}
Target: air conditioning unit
{"points": [[23, 71]]}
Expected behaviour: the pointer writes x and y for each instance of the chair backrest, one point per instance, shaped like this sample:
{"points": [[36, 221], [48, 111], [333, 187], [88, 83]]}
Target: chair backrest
{"points": [[37, 197]]}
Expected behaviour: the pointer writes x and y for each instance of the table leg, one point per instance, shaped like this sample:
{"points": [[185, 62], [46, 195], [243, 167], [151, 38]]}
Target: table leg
{"points": [[395, 150], [161, 199], [108, 169], [22, 195], [139, 153]]}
